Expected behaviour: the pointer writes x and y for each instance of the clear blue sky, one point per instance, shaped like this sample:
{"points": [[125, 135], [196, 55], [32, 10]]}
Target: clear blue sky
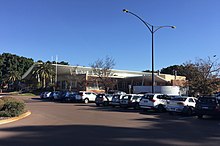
{"points": [[81, 31]]}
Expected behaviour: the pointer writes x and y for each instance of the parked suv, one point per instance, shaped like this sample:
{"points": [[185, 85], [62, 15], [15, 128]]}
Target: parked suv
{"points": [[130, 100], [207, 106], [86, 96], [181, 104], [103, 99], [116, 99], [154, 101]]}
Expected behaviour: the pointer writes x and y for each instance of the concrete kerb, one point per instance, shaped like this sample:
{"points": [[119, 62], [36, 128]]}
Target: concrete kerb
{"points": [[9, 120]]}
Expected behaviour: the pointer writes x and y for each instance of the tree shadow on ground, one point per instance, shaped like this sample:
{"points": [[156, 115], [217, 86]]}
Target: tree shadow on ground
{"points": [[162, 133]]}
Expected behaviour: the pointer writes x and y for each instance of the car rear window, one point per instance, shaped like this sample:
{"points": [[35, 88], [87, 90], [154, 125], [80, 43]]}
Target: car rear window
{"points": [[148, 97], [207, 100], [116, 96], [100, 95], [127, 97], [136, 97], [179, 99]]}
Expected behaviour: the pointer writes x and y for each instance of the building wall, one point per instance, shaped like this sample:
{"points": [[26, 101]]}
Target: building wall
{"points": [[172, 77]]}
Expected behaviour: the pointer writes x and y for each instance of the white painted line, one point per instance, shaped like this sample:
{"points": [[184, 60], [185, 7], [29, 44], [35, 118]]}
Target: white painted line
{"points": [[185, 118]]}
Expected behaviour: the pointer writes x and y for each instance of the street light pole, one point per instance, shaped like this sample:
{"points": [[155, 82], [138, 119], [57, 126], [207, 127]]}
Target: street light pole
{"points": [[152, 76], [152, 29]]}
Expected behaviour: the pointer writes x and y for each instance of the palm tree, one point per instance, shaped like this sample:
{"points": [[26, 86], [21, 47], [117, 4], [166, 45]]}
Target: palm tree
{"points": [[12, 78], [44, 72]]}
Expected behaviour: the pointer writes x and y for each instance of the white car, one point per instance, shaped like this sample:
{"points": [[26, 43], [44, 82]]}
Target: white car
{"points": [[45, 95], [86, 96], [154, 101], [116, 99], [183, 105], [130, 100], [103, 99]]}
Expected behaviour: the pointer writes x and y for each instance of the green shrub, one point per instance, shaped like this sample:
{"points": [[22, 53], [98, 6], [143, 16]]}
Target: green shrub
{"points": [[12, 107], [1, 104], [8, 98]]}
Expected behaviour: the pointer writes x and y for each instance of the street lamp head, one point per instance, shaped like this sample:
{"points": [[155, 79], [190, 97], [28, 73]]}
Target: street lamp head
{"points": [[173, 27], [125, 10]]}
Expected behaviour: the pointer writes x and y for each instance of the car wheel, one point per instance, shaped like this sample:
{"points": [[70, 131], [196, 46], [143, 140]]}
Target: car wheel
{"points": [[136, 106], [199, 116], [189, 112], [160, 108], [171, 113], [86, 100], [105, 104]]}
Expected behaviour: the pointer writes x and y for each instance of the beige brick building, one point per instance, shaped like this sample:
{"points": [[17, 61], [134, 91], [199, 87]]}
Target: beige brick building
{"points": [[78, 78]]}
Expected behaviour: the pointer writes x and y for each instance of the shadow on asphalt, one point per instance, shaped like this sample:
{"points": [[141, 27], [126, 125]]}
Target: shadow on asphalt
{"points": [[161, 133], [117, 109]]}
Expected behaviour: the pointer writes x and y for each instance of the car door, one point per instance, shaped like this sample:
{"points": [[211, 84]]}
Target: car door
{"points": [[162, 99], [191, 102]]}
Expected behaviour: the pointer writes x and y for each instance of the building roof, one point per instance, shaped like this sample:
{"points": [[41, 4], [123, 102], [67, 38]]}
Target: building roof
{"points": [[67, 69]]}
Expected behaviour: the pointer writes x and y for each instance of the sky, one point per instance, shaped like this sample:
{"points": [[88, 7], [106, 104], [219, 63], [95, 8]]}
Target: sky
{"points": [[83, 31]]}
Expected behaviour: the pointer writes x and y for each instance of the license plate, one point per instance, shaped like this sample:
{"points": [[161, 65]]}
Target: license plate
{"points": [[204, 107]]}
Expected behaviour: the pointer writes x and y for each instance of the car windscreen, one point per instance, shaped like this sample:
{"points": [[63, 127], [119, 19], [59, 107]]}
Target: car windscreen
{"points": [[179, 99], [100, 96], [148, 97], [207, 100], [127, 97], [116, 96], [136, 97]]}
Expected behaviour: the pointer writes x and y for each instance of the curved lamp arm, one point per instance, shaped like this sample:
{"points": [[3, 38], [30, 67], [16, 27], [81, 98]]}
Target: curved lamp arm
{"points": [[149, 26], [145, 23]]}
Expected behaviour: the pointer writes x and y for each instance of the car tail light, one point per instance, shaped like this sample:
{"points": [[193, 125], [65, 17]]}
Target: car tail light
{"points": [[217, 107], [180, 103], [152, 100]]}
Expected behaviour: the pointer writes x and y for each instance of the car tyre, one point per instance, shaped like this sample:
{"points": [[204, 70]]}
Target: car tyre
{"points": [[86, 100], [199, 116], [160, 108], [136, 106], [189, 112], [105, 104], [171, 113]]}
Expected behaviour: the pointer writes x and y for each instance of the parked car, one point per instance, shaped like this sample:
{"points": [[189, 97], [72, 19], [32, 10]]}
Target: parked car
{"points": [[57, 95], [103, 99], [130, 100], [181, 104], [207, 106], [42, 95], [154, 101], [116, 99], [45, 95], [69, 96], [86, 96]]}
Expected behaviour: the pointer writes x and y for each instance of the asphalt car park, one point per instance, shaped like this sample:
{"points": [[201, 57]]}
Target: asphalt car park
{"points": [[80, 124]]}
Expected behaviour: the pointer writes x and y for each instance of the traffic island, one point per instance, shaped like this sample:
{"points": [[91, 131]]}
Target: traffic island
{"points": [[9, 120]]}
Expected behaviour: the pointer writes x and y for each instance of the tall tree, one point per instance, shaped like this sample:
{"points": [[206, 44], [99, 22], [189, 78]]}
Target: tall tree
{"points": [[202, 75], [12, 67], [44, 72], [102, 68]]}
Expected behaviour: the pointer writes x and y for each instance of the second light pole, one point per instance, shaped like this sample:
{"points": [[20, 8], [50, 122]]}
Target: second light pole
{"points": [[152, 29]]}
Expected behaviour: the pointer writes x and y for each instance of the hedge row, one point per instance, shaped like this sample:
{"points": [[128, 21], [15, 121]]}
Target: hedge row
{"points": [[11, 107]]}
